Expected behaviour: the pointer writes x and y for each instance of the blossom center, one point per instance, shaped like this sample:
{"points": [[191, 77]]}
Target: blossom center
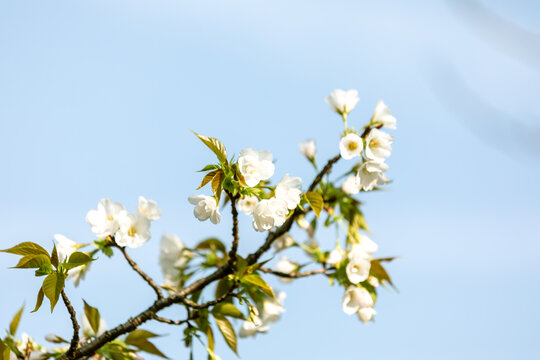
{"points": [[352, 146]]}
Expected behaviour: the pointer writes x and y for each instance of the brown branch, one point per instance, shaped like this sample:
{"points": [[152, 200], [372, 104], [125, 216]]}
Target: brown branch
{"points": [[70, 354], [294, 275], [161, 303], [175, 322], [138, 270], [236, 237]]}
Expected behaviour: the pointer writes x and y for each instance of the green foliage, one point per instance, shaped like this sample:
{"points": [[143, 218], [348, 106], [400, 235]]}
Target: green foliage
{"points": [[139, 339], [227, 330], [26, 248], [15, 321], [255, 279], [316, 202], [228, 309], [53, 286], [216, 146], [39, 300], [77, 259], [93, 316]]}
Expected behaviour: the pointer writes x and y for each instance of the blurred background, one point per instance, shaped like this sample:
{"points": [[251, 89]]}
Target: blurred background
{"points": [[97, 99]]}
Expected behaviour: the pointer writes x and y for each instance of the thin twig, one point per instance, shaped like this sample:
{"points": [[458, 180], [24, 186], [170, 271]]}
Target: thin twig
{"points": [[236, 237], [175, 322], [70, 354], [138, 270], [294, 275]]}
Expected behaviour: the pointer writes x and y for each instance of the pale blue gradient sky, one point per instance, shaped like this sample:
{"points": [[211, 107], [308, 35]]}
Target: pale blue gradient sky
{"points": [[96, 99]]}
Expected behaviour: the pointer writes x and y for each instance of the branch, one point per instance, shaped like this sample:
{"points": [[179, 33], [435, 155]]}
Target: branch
{"points": [[294, 275], [236, 237], [175, 322], [75, 339], [161, 303], [137, 269]]}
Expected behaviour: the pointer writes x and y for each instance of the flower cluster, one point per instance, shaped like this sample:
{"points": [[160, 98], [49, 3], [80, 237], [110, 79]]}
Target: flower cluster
{"points": [[173, 258], [129, 229], [373, 145]]}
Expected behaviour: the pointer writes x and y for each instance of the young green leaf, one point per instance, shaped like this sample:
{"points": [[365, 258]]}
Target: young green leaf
{"points": [[258, 281], [216, 146], [378, 271], [53, 286], [217, 185], [33, 261], [92, 314], [139, 339], [209, 167], [39, 300], [207, 178], [26, 248], [227, 330], [77, 259], [54, 257], [228, 309], [210, 337], [316, 202], [211, 244], [15, 321]]}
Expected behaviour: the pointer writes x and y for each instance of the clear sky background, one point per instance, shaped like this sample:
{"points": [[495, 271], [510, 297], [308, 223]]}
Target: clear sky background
{"points": [[96, 99]]}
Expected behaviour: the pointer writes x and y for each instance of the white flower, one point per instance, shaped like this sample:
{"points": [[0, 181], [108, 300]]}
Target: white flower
{"points": [[382, 115], [358, 269], [134, 230], [335, 257], [255, 165], [350, 146], [371, 174], [269, 213], [373, 281], [283, 242], [205, 208], [250, 329], [341, 101], [378, 145], [64, 248], [351, 185], [104, 220], [247, 204], [148, 208], [172, 256], [37, 352], [87, 328], [271, 309], [287, 267], [289, 191], [356, 298], [366, 314], [309, 149], [366, 246]]}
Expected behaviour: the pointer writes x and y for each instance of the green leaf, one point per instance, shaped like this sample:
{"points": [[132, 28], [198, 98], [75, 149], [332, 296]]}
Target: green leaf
{"points": [[92, 314], [316, 202], [207, 178], [258, 281], [15, 321], [227, 330], [39, 300], [53, 286], [4, 351], [54, 257], [77, 259], [26, 248], [217, 184], [216, 146], [138, 335], [211, 244], [43, 270], [228, 309], [209, 167], [33, 261], [223, 286], [379, 272], [139, 339]]}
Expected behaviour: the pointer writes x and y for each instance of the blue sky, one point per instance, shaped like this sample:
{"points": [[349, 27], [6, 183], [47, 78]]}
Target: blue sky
{"points": [[97, 99]]}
